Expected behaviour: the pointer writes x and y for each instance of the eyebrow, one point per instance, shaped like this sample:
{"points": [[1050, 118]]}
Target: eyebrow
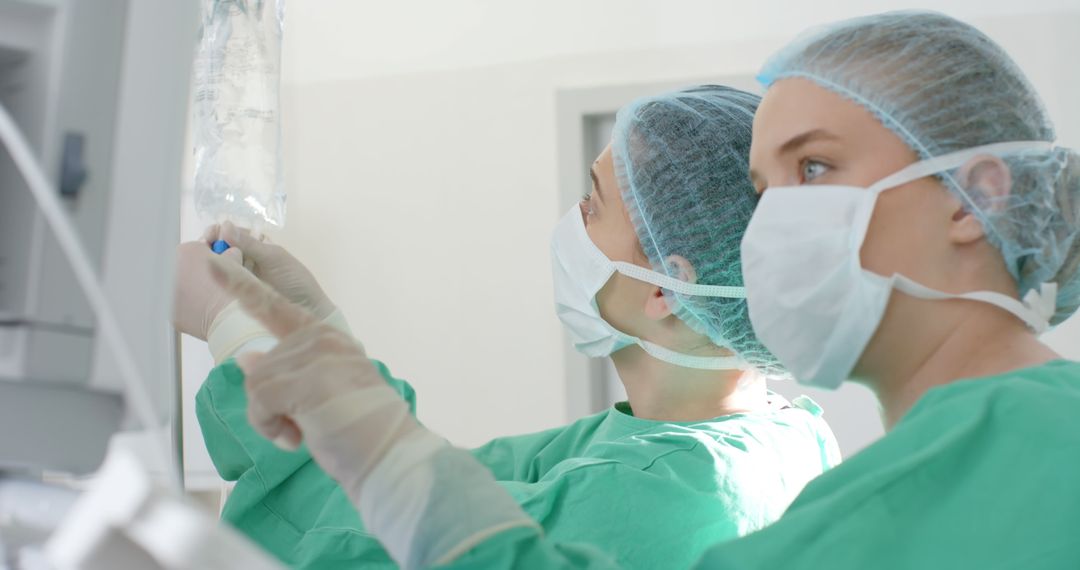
{"points": [[808, 136], [596, 182]]}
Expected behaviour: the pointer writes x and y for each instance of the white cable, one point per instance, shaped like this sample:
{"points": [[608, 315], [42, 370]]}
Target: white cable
{"points": [[136, 394]]}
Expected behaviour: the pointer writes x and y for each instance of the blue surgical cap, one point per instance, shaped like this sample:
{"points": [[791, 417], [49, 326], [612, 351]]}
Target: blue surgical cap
{"points": [[681, 162], [942, 86]]}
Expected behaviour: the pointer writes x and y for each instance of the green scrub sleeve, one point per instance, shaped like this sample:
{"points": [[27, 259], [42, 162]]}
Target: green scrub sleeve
{"points": [[528, 549], [234, 446], [617, 504]]}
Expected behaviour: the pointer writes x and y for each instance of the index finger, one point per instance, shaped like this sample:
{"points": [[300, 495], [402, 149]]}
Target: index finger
{"points": [[211, 233], [279, 315], [235, 235], [255, 249]]}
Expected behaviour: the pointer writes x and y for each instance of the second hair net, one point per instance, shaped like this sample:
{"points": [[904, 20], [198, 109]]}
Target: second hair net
{"points": [[943, 86], [681, 162]]}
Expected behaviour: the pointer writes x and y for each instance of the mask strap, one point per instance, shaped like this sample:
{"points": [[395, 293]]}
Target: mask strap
{"points": [[677, 286], [1036, 310], [952, 160], [687, 361], [930, 166]]}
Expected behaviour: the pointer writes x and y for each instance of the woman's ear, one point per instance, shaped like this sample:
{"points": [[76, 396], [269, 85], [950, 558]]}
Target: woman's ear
{"points": [[987, 180], [656, 306]]}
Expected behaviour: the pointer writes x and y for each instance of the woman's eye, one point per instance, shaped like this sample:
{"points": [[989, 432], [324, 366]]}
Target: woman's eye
{"points": [[812, 169]]}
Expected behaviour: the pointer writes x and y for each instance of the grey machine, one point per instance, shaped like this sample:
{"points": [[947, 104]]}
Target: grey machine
{"points": [[95, 97], [100, 89]]}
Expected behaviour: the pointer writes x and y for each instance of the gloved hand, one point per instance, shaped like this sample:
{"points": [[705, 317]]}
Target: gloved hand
{"points": [[276, 267], [317, 382], [426, 501], [197, 297]]}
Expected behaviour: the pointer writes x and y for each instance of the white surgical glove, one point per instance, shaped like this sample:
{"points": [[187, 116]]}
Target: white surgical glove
{"points": [[276, 267], [197, 298], [426, 501]]}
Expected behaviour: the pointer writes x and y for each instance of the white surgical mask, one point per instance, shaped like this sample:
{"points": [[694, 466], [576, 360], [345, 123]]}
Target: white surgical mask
{"points": [[810, 300], [580, 270]]}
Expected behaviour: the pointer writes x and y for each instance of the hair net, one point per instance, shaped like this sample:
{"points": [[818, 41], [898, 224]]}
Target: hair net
{"points": [[681, 161], [943, 86]]}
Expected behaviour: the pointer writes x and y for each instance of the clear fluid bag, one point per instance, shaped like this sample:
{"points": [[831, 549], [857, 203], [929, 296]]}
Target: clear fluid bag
{"points": [[237, 121]]}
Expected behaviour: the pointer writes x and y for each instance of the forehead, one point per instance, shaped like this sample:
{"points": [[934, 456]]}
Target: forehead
{"points": [[794, 106], [607, 180]]}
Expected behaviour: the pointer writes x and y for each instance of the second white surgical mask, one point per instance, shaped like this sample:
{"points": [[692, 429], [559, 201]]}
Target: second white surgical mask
{"points": [[811, 302], [580, 270]]}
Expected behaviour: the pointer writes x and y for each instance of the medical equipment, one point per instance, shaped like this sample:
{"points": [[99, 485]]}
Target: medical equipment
{"points": [[99, 90], [237, 129], [71, 71], [125, 521]]}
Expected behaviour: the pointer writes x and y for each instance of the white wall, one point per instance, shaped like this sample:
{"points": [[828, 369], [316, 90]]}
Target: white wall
{"points": [[347, 39], [425, 203], [421, 165]]}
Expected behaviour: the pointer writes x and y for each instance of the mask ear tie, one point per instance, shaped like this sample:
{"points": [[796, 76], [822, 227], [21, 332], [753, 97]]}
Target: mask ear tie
{"points": [[1042, 302]]}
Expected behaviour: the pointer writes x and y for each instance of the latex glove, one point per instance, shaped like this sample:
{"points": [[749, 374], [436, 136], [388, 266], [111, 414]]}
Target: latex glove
{"points": [[198, 298], [425, 500], [276, 267], [316, 380]]}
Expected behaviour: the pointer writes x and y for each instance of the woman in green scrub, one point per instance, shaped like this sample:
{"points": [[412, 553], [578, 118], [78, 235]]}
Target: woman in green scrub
{"points": [[917, 138], [646, 270], [918, 229]]}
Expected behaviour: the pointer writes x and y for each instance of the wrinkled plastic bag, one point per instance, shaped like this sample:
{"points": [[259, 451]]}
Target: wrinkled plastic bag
{"points": [[237, 121]]}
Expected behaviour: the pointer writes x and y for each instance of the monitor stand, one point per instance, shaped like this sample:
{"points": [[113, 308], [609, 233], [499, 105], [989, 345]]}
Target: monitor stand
{"points": [[52, 426]]}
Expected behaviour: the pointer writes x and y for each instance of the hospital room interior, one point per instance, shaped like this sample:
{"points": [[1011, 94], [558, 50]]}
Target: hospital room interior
{"points": [[414, 159]]}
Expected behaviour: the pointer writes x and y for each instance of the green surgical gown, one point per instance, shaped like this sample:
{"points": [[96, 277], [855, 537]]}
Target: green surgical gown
{"points": [[981, 473], [653, 494]]}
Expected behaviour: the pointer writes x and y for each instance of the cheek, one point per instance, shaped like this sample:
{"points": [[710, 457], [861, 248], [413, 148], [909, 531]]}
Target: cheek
{"points": [[616, 240], [608, 297], [906, 232], [621, 299], [622, 302]]}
